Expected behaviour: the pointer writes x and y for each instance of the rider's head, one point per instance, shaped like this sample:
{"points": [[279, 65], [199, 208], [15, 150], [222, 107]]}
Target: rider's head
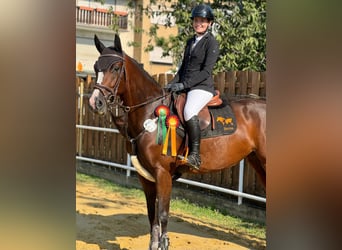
{"points": [[202, 17]]}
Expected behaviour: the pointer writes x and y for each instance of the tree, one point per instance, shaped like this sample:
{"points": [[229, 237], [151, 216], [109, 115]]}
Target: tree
{"points": [[240, 28]]}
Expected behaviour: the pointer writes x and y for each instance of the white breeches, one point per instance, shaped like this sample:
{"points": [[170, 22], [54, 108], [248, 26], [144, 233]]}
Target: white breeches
{"points": [[196, 99]]}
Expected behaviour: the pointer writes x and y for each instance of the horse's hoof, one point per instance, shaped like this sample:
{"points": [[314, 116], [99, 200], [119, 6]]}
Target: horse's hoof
{"points": [[154, 246], [164, 242]]}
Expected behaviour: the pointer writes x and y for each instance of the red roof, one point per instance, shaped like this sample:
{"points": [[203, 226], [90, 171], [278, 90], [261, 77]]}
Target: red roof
{"points": [[117, 12], [121, 13], [86, 8], [101, 10]]}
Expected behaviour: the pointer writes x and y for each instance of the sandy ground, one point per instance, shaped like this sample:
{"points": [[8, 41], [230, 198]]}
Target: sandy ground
{"points": [[110, 221]]}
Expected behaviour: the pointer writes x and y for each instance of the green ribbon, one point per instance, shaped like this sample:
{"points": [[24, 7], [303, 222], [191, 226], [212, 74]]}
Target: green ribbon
{"points": [[162, 130]]}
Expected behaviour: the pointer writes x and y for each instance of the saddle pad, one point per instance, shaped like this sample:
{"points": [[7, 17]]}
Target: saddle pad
{"points": [[224, 122]]}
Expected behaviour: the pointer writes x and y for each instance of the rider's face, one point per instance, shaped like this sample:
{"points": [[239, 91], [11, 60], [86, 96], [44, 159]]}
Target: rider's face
{"points": [[200, 24]]}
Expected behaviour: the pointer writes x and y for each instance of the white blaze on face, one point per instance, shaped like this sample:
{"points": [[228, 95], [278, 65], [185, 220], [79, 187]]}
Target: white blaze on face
{"points": [[96, 92], [99, 78]]}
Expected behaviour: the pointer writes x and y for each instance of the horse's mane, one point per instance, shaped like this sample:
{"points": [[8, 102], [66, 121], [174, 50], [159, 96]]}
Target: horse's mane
{"points": [[144, 72]]}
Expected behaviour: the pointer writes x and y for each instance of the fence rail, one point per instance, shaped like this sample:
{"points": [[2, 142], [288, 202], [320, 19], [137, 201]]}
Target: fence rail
{"points": [[104, 145], [240, 194]]}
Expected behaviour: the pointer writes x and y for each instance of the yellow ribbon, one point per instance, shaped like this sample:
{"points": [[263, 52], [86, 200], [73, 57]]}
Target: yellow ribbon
{"points": [[166, 142], [171, 131], [173, 141]]}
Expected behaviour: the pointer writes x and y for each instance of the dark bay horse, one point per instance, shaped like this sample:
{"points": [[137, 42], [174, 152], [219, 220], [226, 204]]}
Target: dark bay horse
{"points": [[123, 83]]}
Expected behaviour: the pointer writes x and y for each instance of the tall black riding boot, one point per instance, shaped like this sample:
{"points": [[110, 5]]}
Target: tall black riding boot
{"points": [[194, 132]]}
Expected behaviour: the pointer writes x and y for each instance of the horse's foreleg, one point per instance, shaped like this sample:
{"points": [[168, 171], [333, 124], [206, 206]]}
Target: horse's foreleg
{"points": [[164, 187], [158, 197], [150, 195]]}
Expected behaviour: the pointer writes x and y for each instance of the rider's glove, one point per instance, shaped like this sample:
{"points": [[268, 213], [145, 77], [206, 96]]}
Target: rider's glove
{"points": [[178, 86]]}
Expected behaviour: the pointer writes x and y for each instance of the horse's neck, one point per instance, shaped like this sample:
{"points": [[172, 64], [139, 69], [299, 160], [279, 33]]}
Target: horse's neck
{"points": [[141, 86], [140, 89]]}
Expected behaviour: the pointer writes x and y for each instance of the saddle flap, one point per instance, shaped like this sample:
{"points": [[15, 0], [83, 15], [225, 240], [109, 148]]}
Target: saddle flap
{"points": [[216, 100], [203, 116], [179, 103]]}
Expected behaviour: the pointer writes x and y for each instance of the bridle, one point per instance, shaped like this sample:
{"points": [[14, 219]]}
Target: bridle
{"points": [[112, 98]]}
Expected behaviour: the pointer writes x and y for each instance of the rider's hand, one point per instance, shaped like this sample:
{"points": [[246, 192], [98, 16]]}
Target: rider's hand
{"points": [[178, 86]]}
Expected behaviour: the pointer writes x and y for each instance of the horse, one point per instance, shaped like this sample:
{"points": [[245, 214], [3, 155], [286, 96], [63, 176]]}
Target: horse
{"points": [[122, 82]]}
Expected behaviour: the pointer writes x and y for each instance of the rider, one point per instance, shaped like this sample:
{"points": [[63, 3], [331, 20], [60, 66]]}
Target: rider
{"points": [[195, 76]]}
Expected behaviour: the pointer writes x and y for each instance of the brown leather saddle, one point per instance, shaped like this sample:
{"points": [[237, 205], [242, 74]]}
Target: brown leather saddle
{"points": [[205, 117]]}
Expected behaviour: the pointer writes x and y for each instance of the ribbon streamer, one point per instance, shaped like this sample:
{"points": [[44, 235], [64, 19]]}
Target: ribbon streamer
{"points": [[162, 112], [172, 122]]}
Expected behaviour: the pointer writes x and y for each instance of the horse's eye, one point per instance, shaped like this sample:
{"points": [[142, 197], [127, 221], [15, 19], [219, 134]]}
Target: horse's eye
{"points": [[115, 67]]}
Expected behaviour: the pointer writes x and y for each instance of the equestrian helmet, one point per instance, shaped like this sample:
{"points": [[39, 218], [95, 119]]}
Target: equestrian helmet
{"points": [[202, 10]]}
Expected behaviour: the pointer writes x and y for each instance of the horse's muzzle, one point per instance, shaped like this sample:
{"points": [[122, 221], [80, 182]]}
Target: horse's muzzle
{"points": [[99, 106]]}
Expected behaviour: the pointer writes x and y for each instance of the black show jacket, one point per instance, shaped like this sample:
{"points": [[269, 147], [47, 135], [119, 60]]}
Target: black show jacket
{"points": [[197, 65]]}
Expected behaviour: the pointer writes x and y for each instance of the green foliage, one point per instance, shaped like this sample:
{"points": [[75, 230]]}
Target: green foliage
{"points": [[242, 36], [240, 28]]}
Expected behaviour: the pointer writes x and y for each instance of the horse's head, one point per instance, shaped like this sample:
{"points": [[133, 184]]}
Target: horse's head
{"points": [[109, 69]]}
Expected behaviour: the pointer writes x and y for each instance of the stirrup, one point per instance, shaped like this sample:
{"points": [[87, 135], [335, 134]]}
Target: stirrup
{"points": [[185, 160], [189, 164]]}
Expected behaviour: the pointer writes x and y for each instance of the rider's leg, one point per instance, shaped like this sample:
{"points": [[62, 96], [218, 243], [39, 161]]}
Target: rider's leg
{"points": [[195, 101], [194, 132]]}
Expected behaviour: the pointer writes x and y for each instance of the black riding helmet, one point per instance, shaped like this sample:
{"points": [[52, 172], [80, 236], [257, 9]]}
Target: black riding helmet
{"points": [[202, 10]]}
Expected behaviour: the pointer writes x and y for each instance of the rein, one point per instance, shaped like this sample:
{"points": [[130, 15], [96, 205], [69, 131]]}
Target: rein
{"points": [[129, 108]]}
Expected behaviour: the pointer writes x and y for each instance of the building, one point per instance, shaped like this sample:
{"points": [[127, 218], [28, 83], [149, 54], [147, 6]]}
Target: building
{"points": [[92, 17]]}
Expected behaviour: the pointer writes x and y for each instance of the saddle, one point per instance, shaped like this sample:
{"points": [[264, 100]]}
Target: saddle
{"points": [[205, 116]]}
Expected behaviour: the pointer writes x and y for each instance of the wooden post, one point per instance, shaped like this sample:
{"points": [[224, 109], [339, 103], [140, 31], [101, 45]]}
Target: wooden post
{"points": [[220, 81], [77, 113], [262, 83], [230, 82], [243, 79], [162, 80], [255, 82], [80, 135], [169, 77]]}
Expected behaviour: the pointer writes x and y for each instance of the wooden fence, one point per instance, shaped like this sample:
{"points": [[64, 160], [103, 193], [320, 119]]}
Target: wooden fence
{"points": [[109, 146]]}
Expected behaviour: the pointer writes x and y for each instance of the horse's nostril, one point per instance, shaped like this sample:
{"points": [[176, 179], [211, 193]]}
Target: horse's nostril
{"points": [[98, 103]]}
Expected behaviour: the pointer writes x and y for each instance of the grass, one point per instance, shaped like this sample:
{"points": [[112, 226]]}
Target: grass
{"points": [[182, 206], [111, 187], [215, 217]]}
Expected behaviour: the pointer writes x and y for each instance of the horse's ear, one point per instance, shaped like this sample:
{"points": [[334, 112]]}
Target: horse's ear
{"points": [[99, 45], [117, 43]]}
